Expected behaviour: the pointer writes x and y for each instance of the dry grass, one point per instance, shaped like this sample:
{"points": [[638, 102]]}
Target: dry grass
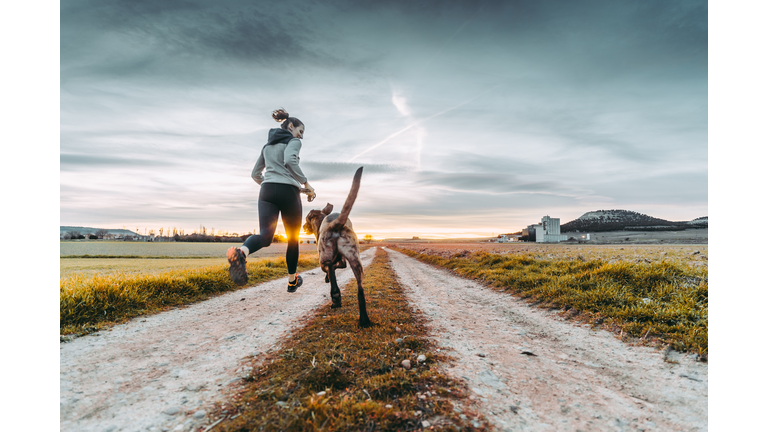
{"points": [[332, 375], [88, 303], [679, 254], [662, 300]]}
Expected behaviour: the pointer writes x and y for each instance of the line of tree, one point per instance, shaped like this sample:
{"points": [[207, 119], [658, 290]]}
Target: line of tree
{"points": [[198, 237], [73, 235], [203, 235]]}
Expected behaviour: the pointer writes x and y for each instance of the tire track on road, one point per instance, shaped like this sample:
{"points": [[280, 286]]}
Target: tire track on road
{"points": [[154, 372], [530, 370]]}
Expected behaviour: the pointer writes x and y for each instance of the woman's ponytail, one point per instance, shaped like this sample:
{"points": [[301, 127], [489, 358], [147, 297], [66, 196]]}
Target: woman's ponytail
{"points": [[281, 115]]}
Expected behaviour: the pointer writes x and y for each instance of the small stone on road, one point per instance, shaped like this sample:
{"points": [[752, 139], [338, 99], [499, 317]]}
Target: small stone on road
{"points": [[172, 410]]}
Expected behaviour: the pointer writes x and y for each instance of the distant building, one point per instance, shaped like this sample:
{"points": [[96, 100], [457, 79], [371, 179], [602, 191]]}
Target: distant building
{"points": [[547, 231], [529, 233], [506, 238]]}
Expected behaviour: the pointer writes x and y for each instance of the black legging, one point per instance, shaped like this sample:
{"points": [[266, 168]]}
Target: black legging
{"points": [[277, 198]]}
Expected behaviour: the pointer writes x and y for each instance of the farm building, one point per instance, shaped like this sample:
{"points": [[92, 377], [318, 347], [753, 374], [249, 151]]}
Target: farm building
{"points": [[546, 231], [506, 238]]}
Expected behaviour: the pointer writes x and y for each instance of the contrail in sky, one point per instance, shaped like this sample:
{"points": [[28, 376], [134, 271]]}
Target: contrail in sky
{"points": [[420, 122]]}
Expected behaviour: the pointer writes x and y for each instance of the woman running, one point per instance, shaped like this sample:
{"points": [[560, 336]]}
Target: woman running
{"points": [[279, 194]]}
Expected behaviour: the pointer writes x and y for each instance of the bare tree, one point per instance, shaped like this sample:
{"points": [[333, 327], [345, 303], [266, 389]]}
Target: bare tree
{"points": [[101, 233], [74, 234]]}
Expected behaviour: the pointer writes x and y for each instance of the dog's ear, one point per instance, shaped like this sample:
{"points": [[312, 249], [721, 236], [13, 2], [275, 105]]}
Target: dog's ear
{"points": [[327, 210]]}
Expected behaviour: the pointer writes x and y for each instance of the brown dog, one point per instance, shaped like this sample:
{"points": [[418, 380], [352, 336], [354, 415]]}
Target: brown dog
{"points": [[337, 244]]}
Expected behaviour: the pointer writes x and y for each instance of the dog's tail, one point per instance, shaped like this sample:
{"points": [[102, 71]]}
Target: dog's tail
{"points": [[339, 222]]}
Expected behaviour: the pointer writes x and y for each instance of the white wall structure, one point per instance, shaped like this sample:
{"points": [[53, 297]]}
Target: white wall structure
{"points": [[549, 231], [506, 239]]}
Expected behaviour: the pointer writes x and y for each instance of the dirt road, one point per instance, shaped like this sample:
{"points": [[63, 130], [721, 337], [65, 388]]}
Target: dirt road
{"points": [[531, 371], [162, 371]]}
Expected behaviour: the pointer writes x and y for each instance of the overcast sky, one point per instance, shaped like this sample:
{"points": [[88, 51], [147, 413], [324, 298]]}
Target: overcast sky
{"points": [[470, 119]]}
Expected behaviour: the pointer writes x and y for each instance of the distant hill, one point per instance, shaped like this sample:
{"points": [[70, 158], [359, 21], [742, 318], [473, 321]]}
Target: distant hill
{"points": [[618, 220], [89, 230]]}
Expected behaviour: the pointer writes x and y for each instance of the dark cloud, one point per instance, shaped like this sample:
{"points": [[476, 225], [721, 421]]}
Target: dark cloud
{"points": [[78, 161], [484, 183], [159, 33], [319, 171], [460, 161], [682, 188]]}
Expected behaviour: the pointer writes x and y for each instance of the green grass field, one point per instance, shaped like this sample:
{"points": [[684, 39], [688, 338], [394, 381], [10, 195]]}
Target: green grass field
{"points": [[92, 266], [74, 249]]}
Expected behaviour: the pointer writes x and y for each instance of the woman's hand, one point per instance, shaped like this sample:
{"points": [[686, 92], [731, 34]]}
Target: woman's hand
{"points": [[310, 191]]}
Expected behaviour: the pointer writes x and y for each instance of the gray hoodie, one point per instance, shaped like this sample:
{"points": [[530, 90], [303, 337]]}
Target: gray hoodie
{"points": [[280, 157]]}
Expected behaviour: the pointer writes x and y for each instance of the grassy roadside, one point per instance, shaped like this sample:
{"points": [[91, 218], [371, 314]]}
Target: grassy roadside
{"points": [[662, 302], [90, 303], [332, 375]]}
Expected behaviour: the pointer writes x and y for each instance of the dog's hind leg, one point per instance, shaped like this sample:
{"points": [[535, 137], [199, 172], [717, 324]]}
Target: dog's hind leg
{"points": [[357, 269], [335, 292]]}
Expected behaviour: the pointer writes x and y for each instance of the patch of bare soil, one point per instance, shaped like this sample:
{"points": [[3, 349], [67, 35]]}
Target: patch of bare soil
{"points": [[165, 371], [530, 370]]}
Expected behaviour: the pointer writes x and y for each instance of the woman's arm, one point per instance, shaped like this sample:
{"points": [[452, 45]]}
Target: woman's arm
{"points": [[291, 158], [258, 168]]}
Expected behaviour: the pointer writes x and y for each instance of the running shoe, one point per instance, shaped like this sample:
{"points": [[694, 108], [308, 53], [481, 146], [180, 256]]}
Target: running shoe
{"points": [[292, 287]]}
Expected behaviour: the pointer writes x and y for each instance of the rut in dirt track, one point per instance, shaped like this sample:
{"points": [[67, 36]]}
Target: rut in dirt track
{"points": [[155, 372], [529, 370]]}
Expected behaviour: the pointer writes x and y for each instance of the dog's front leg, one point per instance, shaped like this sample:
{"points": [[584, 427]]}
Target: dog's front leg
{"points": [[335, 292]]}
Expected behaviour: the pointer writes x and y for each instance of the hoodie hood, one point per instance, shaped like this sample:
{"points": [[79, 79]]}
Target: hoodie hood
{"points": [[279, 136]]}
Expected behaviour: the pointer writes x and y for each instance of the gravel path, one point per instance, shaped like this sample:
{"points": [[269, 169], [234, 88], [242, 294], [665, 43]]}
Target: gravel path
{"points": [[162, 371], [530, 370]]}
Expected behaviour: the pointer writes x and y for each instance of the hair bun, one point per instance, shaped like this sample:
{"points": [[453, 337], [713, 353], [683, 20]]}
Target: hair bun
{"points": [[280, 115]]}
